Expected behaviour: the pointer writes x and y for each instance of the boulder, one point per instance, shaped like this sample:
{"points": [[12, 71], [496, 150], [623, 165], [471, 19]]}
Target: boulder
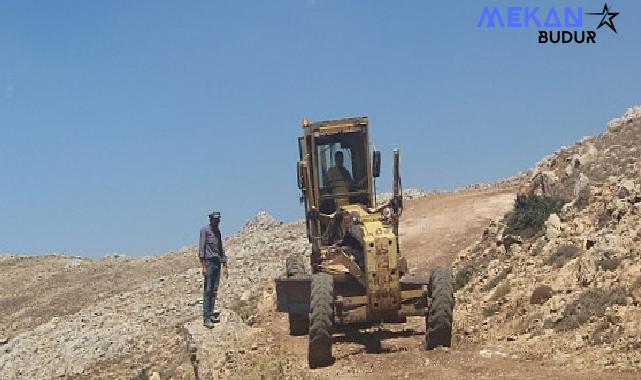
{"points": [[626, 189]]}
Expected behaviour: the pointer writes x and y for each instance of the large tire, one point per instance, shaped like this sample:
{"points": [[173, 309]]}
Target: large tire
{"points": [[298, 323], [294, 266], [321, 320], [438, 321]]}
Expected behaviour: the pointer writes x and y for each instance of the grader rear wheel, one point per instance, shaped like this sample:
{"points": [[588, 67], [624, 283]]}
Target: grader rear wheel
{"points": [[294, 266], [439, 317], [298, 323], [321, 320]]}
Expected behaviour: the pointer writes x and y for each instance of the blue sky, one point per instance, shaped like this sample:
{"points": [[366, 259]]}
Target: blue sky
{"points": [[123, 123]]}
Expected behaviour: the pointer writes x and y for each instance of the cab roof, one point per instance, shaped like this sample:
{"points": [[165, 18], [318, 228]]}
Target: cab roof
{"points": [[326, 127]]}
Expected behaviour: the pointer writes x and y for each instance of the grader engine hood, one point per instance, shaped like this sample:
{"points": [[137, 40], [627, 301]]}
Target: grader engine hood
{"points": [[380, 251]]}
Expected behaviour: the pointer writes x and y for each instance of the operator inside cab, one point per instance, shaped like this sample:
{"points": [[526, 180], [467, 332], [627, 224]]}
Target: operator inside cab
{"points": [[338, 177]]}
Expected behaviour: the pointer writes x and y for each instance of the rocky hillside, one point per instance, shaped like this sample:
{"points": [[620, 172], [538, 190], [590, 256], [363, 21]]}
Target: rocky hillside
{"points": [[570, 290], [139, 319], [553, 288]]}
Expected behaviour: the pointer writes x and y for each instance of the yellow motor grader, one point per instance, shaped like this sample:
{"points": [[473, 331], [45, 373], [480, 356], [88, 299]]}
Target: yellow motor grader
{"points": [[358, 276]]}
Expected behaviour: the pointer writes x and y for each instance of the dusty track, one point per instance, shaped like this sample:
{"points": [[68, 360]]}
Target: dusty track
{"points": [[434, 230]]}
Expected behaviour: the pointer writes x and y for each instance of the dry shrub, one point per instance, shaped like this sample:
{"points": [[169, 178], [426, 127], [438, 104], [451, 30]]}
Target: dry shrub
{"points": [[591, 302], [491, 309], [273, 364], [526, 324], [604, 218], [537, 247], [562, 255], [501, 291], [497, 279], [464, 275], [245, 309], [541, 295], [583, 198], [637, 283], [609, 263], [604, 334]]}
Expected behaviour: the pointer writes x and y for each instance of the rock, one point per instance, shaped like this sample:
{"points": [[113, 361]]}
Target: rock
{"points": [[631, 114], [553, 226], [626, 189], [589, 153], [569, 169], [146, 316], [567, 303], [542, 183], [580, 185]]}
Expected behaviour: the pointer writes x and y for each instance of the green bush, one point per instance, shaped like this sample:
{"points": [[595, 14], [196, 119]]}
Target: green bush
{"points": [[530, 213]]}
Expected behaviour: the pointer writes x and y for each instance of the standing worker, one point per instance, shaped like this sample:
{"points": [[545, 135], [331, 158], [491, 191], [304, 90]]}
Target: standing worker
{"points": [[212, 256]]}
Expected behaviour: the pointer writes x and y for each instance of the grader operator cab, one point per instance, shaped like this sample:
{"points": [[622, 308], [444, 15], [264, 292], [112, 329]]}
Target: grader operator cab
{"points": [[358, 276]]}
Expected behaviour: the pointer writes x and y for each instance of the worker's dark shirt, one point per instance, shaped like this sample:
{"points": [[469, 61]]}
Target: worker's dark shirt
{"points": [[210, 245]]}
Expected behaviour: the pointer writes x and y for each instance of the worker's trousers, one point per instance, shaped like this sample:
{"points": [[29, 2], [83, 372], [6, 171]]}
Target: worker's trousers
{"points": [[212, 276]]}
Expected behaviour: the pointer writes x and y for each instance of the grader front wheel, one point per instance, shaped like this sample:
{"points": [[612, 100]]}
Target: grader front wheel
{"points": [[321, 318], [439, 317]]}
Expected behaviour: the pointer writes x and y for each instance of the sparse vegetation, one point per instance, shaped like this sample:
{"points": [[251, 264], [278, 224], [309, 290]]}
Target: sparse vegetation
{"points": [[637, 283], [603, 334], [562, 255], [273, 364], [530, 213], [609, 263], [604, 218], [501, 291], [540, 295], [583, 198], [591, 302], [529, 322], [491, 309], [142, 375], [537, 247], [464, 275], [245, 309], [497, 279]]}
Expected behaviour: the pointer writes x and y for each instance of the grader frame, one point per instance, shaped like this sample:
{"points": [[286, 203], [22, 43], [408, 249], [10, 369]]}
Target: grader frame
{"points": [[358, 276]]}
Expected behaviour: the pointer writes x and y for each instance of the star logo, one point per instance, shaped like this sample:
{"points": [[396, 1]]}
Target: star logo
{"points": [[607, 18]]}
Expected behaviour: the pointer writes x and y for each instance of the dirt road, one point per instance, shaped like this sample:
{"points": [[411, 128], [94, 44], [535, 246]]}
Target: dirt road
{"points": [[434, 229], [162, 294]]}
